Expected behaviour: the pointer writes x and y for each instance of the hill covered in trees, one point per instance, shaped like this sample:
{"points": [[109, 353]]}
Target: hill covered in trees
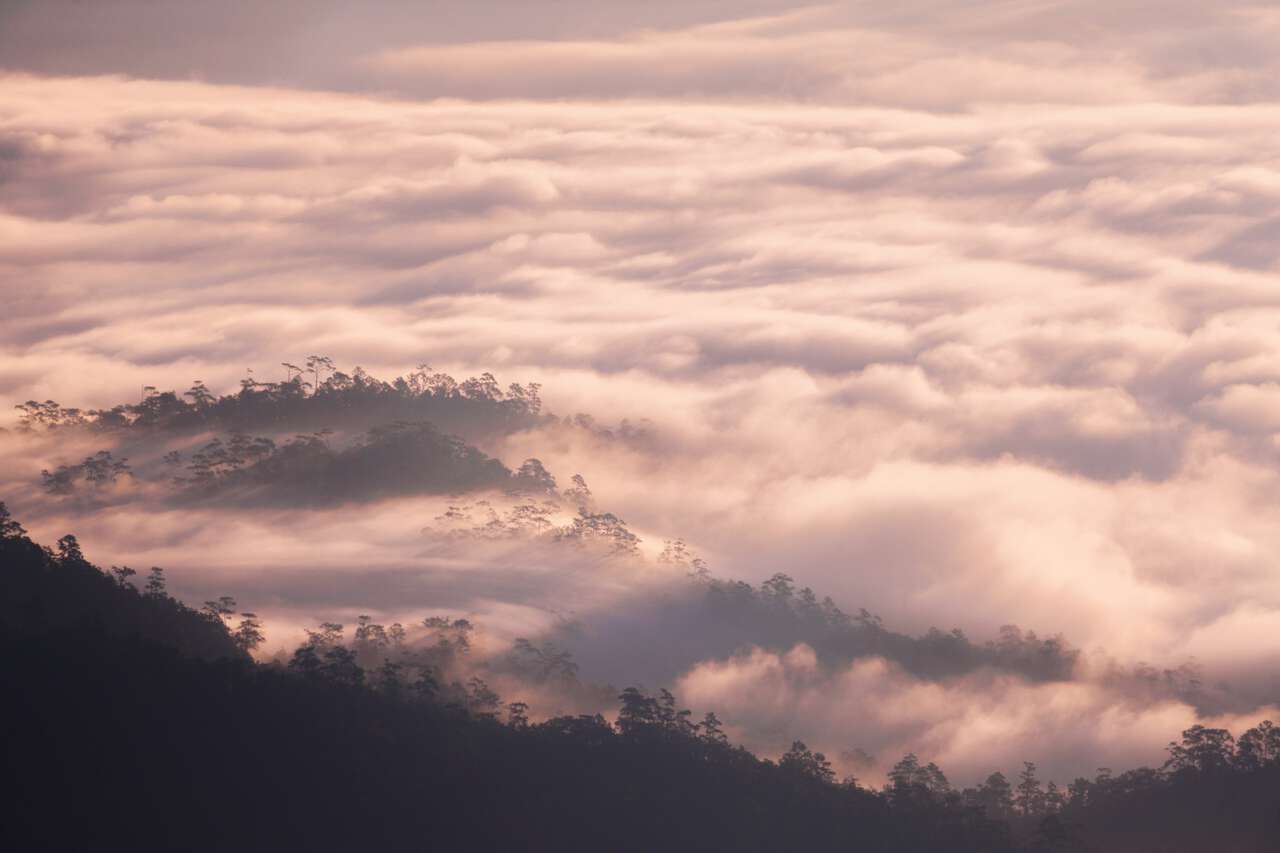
{"points": [[314, 396], [339, 438], [135, 716]]}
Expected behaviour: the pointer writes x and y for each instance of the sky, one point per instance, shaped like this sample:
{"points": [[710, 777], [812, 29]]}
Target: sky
{"points": [[962, 312]]}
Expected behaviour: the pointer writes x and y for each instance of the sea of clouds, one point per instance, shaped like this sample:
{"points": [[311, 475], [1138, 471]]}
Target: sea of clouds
{"points": [[965, 313]]}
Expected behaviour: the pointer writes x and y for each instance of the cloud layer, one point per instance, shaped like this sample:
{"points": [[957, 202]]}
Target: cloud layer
{"points": [[970, 322]]}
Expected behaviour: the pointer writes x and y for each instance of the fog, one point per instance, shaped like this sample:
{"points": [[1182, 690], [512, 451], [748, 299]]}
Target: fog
{"points": [[965, 316]]}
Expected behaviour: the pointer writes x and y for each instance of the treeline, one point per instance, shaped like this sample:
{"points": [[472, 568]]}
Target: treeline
{"points": [[715, 618], [118, 734], [134, 716], [779, 614], [314, 394], [532, 519], [396, 459], [48, 590]]}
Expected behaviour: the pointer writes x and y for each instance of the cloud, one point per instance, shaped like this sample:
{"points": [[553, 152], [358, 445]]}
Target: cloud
{"points": [[934, 53], [966, 319], [985, 723]]}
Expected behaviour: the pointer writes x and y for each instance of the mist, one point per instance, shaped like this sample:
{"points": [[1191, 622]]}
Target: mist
{"points": [[602, 326]]}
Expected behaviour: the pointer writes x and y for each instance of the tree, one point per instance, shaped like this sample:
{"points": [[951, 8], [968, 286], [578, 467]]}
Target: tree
{"points": [[69, 552], [779, 588], [390, 680], [638, 711], [201, 398], [220, 609], [525, 398], [102, 469], [579, 494], [248, 634], [517, 715], [452, 638], [1029, 798], [1078, 792], [1054, 800], [47, 414], [545, 663], [481, 699], [905, 779], [155, 586], [306, 660], [905, 772], [330, 634], [340, 666], [935, 780], [426, 685], [803, 761], [712, 730], [1259, 747], [1201, 750], [369, 635], [289, 371], [605, 528], [533, 477], [316, 363], [996, 795], [60, 481], [909, 780], [677, 553], [122, 575], [484, 388], [671, 718], [9, 528]]}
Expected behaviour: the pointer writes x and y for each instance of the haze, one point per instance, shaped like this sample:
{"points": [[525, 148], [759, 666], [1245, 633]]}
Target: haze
{"points": [[963, 313]]}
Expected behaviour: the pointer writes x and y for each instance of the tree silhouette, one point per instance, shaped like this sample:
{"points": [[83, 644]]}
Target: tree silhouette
{"points": [[317, 363], [517, 715], [1259, 747], [202, 398], [579, 494], [69, 553], [533, 477], [122, 575], [1028, 797], [220, 609], [9, 527], [638, 712], [155, 586], [909, 782], [1201, 750], [995, 795], [115, 698], [807, 763], [248, 634], [712, 730]]}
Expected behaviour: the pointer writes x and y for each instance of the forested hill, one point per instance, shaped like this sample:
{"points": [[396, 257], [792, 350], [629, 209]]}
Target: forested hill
{"points": [[475, 407], [48, 591], [135, 719]]}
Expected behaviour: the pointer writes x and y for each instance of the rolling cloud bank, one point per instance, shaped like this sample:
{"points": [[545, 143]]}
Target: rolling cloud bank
{"points": [[860, 329]]}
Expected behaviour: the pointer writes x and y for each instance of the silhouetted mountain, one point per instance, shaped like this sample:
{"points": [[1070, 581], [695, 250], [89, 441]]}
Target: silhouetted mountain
{"points": [[49, 591], [119, 734], [133, 717], [717, 618]]}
